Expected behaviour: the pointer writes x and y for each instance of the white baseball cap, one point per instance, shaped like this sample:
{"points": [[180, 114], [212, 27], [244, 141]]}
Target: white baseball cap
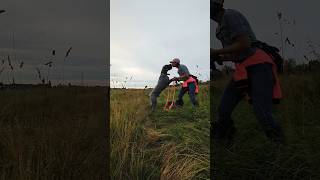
{"points": [[176, 60]]}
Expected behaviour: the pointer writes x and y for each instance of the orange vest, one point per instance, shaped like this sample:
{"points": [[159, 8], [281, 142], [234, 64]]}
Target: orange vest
{"points": [[240, 74], [190, 80]]}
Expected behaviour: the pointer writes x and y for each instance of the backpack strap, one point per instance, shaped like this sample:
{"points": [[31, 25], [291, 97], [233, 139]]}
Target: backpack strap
{"points": [[273, 52]]}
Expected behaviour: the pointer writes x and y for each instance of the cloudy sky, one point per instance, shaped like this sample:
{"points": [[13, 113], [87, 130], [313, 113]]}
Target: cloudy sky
{"points": [[147, 34], [31, 30], [299, 21]]}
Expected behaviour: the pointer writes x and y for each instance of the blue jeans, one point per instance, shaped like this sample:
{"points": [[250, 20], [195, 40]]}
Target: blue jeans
{"points": [[261, 92], [192, 94]]}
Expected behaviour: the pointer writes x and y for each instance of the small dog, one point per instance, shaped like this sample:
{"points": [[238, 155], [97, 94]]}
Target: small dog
{"points": [[163, 83]]}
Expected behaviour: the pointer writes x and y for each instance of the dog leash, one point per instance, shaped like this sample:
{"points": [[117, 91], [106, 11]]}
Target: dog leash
{"points": [[171, 93], [168, 96]]}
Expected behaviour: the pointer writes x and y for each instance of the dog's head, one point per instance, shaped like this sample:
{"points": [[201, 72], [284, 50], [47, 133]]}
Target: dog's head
{"points": [[166, 68]]}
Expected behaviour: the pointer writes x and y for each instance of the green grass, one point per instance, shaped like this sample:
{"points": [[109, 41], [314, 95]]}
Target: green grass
{"points": [[162, 145], [55, 133], [252, 156]]}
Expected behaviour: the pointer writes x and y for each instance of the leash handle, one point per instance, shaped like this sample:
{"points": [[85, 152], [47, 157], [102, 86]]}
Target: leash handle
{"points": [[174, 89]]}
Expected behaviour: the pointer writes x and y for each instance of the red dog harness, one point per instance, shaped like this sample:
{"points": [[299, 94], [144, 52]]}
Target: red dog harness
{"points": [[190, 80], [240, 75]]}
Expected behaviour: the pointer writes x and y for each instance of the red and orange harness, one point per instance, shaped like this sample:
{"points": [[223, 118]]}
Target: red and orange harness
{"points": [[191, 79], [240, 75]]}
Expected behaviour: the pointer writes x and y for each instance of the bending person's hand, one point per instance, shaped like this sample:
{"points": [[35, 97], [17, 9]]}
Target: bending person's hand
{"points": [[175, 79]]}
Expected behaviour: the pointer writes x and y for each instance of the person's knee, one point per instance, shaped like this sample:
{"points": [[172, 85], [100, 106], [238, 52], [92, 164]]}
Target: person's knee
{"points": [[192, 96], [223, 112], [265, 117], [262, 110], [181, 94], [193, 99]]}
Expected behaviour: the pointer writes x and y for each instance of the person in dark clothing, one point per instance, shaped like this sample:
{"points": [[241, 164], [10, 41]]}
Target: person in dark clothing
{"points": [[254, 74]]}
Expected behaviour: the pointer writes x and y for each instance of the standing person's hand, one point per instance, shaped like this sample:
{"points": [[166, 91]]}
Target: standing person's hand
{"points": [[175, 79], [214, 55], [214, 52]]}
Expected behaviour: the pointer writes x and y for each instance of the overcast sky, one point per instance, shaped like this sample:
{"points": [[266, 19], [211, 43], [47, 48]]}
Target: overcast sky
{"points": [[299, 21], [147, 34], [40, 26]]}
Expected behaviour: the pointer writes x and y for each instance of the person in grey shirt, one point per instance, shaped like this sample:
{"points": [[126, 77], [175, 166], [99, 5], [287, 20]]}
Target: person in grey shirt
{"points": [[188, 86], [237, 37]]}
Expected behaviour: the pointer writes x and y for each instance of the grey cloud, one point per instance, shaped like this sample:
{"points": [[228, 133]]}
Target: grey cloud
{"points": [[263, 18], [154, 32], [41, 26]]}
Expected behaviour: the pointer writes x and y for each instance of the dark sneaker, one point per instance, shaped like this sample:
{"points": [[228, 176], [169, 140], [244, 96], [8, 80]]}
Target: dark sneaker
{"points": [[196, 104], [276, 136], [221, 132], [179, 103]]}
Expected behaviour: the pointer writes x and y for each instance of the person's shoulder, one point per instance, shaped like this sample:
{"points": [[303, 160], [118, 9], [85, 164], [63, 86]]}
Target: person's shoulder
{"points": [[183, 66], [231, 14]]}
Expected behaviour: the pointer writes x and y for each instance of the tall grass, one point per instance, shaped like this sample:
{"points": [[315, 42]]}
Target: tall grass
{"points": [[253, 156], [128, 113], [57, 133], [163, 145]]}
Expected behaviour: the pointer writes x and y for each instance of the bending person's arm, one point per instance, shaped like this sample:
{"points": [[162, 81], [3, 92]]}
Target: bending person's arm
{"points": [[241, 43], [183, 77]]}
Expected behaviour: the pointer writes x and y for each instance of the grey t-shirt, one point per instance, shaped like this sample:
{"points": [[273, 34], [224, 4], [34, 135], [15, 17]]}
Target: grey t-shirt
{"points": [[183, 70], [232, 25]]}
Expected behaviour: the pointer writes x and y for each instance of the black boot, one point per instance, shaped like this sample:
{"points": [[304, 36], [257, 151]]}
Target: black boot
{"points": [[179, 103]]}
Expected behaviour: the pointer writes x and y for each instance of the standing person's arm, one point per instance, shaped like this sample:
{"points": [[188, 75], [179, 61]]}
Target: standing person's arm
{"points": [[239, 33], [242, 42], [183, 77], [183, 73]]}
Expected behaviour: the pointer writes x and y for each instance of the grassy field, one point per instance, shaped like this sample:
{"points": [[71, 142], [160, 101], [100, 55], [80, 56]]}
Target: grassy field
{"points": [[252, 156], [162, 145], [53, 133]]}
